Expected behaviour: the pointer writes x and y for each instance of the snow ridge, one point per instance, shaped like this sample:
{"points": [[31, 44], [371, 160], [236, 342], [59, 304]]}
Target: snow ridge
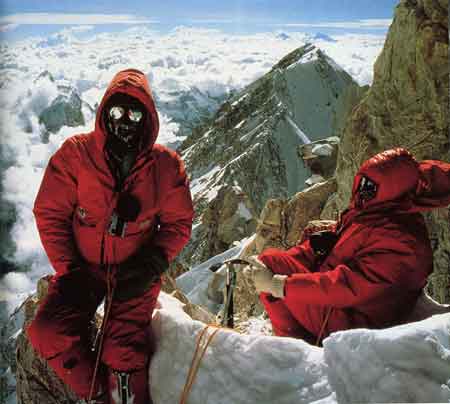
{"points": [[408, 363]]}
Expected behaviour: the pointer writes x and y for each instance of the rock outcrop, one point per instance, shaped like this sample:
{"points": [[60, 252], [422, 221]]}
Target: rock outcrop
{"points": [[65, 110], [35, 381], [249, 153], [407, 106], [320, 157]]}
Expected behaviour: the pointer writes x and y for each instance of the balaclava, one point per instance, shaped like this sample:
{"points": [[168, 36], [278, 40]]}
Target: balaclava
{"points": [[124, 118]]}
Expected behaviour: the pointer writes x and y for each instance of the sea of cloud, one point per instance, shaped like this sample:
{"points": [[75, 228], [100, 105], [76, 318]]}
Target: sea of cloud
{"points": [[210, 61]]}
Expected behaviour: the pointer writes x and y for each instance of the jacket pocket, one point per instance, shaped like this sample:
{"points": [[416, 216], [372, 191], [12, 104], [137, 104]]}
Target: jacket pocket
{"points": [[84, 217]]}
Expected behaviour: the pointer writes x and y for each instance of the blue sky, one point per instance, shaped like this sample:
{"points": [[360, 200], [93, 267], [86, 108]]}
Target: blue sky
{"points": [[19, 16]]}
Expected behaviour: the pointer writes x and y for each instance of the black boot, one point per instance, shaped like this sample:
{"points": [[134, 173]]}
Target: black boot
{"points": [[102, 398], [129, 387]]}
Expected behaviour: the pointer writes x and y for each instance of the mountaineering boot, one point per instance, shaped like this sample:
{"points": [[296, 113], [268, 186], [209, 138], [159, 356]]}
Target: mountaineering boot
{"points": [[100, 399], [129, 387]]}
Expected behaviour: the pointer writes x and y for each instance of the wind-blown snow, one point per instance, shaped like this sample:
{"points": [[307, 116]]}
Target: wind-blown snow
{"points": [[408, 363]]}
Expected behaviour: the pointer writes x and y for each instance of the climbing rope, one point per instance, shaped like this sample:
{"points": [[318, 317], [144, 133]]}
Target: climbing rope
{"points": [[324, 324], [196, 359]]}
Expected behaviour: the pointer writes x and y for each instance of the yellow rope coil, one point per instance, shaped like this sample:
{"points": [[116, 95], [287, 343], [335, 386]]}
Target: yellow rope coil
{"points": [[197, 358]]}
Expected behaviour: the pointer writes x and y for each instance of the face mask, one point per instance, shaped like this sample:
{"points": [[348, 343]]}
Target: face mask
{"points": [[367, 189], [125, 123]]}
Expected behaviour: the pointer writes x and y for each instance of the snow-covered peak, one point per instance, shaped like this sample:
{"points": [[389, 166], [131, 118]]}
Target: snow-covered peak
{"points": [[253, 140], [309, 54]]}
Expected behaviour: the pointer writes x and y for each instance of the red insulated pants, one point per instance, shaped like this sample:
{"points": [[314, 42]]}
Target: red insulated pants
{"points": [[60, 332], [288, 317]]}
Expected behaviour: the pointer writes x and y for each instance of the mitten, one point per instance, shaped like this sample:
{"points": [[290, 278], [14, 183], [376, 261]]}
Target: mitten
{"points": [[139, 272]]}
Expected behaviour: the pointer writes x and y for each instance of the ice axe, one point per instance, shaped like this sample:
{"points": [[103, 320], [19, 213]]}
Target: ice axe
{"points": [[230, 284]]}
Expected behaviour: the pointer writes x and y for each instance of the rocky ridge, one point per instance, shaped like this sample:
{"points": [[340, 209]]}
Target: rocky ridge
{"points": [[249, 152], [407, 106], [65, 110]]}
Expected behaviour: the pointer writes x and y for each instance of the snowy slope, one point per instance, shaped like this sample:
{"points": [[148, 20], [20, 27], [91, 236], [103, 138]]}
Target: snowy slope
{"points": [[408, 363]]}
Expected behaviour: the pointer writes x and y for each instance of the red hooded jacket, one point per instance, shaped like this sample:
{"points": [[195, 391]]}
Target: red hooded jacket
{"points": [[77, 196], [376, 270]]}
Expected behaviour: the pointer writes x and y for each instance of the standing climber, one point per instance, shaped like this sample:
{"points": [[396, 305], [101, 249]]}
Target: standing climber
{"points": [[113, 210], [369, 269]]}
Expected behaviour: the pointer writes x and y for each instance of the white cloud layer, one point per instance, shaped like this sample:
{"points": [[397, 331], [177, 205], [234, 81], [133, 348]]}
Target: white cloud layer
{"points": [[68, 19], [380, 23], [211, 21], [8, 27]]}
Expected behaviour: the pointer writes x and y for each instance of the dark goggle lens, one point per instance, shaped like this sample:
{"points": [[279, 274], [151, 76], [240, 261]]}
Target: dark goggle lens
{"points": [[116, 113], [367, 189], [134, 114]]}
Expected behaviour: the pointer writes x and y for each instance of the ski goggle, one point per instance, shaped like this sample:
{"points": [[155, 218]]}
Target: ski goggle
{"points": [[367, 189], [134, 114]]}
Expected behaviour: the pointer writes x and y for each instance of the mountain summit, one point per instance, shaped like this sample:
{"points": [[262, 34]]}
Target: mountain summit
{"points": [[248, 154]]}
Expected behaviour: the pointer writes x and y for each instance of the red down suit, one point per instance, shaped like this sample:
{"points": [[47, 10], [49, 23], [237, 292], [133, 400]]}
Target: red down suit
{"points": [[379, 265], [73, 210]]}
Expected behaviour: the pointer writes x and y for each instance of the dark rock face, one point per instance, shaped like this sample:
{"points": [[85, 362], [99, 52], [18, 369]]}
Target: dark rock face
{"points": [[36, 382], [65, 110]]}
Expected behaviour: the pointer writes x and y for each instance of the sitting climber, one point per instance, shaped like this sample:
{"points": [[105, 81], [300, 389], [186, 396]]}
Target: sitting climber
{"points": [[370, 268]]}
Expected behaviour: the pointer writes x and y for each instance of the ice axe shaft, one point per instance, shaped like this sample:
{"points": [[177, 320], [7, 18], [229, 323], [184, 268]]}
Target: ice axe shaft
{"points": [[230, 284]]}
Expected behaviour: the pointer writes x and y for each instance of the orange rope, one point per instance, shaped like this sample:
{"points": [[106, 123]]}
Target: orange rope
{"points": [[325, 321], [196, 359]]}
